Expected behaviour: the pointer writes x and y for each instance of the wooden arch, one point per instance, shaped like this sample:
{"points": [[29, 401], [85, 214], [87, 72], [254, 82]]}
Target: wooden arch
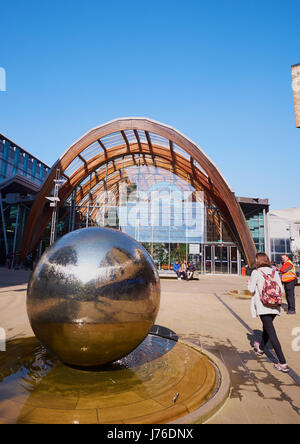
{"points": [[183, 170], [154, 141]]}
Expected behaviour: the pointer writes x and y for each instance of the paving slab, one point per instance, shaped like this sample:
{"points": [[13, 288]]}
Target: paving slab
{"points": [[260, 394]]}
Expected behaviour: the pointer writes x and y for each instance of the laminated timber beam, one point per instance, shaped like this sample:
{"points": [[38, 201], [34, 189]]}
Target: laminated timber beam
{"points": [[224, 195]]}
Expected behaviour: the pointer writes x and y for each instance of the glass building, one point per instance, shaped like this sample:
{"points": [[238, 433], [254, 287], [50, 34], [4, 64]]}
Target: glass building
{"points": [[162, 211], [138, 176], [14, 160], [256, 213], [151, 182], [21, 176]]}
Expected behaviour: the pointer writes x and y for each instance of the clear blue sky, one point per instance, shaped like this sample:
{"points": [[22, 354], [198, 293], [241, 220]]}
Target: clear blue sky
{"points": [[219, 71]]}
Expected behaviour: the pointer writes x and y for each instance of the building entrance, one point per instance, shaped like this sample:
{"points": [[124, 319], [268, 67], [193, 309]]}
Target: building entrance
{"points": [[221, 259], [208, 259]]}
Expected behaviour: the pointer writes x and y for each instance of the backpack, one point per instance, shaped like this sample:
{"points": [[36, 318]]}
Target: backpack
{"points": [[271, 295]]}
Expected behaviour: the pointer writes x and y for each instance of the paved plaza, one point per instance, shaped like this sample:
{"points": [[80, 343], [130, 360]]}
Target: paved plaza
{"points": [[212, 312]]}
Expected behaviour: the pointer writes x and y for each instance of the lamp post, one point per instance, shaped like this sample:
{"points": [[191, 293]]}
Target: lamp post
{"points": [[53, 203]]}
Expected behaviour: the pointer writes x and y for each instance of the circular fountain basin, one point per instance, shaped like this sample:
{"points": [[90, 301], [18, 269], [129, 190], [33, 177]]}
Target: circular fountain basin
{"points": [[162, 381]]}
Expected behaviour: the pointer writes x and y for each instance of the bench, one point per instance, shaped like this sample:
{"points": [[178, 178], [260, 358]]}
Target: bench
{"points": [[170, 274]]}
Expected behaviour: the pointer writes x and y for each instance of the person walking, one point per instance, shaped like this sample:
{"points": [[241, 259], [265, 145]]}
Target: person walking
{"points": [[288, 277], [262, 276]]}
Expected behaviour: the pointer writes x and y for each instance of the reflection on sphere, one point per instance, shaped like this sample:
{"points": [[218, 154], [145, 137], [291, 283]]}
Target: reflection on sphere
{"points": [[93, 297]]}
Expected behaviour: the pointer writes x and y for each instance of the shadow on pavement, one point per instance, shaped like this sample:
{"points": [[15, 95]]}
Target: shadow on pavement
{"points": [[244, 379]]}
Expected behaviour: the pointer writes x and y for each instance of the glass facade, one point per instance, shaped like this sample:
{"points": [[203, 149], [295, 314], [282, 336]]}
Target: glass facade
{"points": [[280, 246], [15, 206], [14, 160], [15, 217], [153, 199], [257, 229], [163, 211], [256, 213]]}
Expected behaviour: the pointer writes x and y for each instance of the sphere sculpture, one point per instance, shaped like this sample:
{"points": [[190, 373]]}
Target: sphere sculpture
{"points": [[93, 296]]}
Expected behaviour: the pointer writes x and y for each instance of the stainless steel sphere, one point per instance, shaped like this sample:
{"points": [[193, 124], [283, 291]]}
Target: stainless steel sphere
{"points": [[93, 296]]}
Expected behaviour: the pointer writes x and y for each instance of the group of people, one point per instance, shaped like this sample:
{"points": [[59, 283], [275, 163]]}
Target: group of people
{"points": [[269, 281], [184, 270]]}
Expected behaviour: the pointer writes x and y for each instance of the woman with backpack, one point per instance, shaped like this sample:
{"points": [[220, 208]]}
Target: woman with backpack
{"points": [[266, 287]]}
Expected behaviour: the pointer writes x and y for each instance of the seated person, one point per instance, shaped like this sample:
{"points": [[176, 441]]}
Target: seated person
{"points": [[183, 270], [190, 271], [176, 268]]}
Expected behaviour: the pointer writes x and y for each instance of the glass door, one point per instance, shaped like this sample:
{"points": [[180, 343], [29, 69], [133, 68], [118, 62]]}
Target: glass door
{"points": [[208, 264], [233, 260], [221, 259]]}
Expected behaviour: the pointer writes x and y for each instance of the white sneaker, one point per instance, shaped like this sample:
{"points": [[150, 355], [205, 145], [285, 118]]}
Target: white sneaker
{"points": [[282, 367]]}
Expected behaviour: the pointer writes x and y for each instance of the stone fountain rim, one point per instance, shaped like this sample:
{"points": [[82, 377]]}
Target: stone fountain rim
{"points": [[220, 397]]}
